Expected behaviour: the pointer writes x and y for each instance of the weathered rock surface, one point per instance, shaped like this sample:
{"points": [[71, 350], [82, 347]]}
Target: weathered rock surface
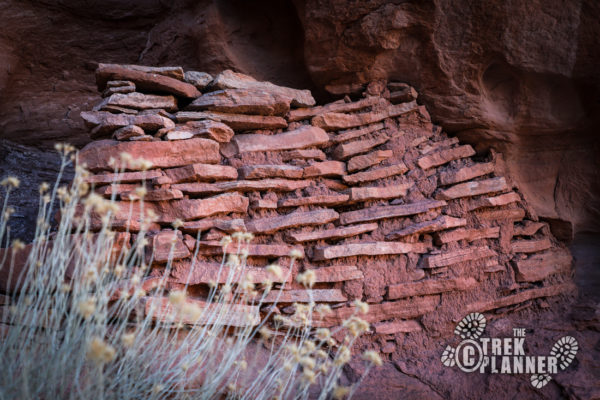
{"points": [[234, 121], [242, 101], [269, 225], [300, 138]]}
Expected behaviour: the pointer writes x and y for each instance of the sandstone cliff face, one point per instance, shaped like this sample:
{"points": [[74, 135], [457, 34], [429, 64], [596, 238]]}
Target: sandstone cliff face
{"points": [[518, 76]]}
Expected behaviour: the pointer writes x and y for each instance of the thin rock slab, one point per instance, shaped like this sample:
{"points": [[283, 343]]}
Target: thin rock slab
{"points": [[473, 188], [303, 154], [254, 250], [270, 171], [349, 134], [430, 286], [445, 156], [528, 228], [358, 194], [145, 80], [325, 168], [199, 79], [374, 174], [393, 327], [495, 201], [530, 246], [305, 296], [449, 258], [163, 194], [540, 266], [214, 130], [226, 225], [368, 249], [337, 121], [124, 177], [189, 209], [234, 315], [198, 272], [273, 224], [242, 101], [441, 223], [305, 136], [323, 200], [468, 234], [335, 233], [201, 172], [104, 123], [128, 132], [512, 214], [165, 246], [410, 308], [368, 160], [347, 150], [140, 101], [340, 107], [234, 121], [97, 155], [466, 173], [281, 185], [382, 212]]}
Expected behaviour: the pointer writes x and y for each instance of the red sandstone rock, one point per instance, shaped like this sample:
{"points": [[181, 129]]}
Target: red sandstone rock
{"points": [[336, 233], [199, 272], [539, 266], [324, 200], [457, 256], [227, 225], [350, 134], [529, 228], [473, 188], [305, 113], [124, 177], [214, 130], [189, 209], [337, 273], [270, 171], [445, 156], [466, 173], [263, 204], [105, 123], [140, 101], [269, 225], [337, 121], [109, 190], [199, 79], [201, 172], [254, 250], [303, 154], [165, 246], [325, 168], [179, 135], [378, 312], [242, 101], [305, 136], [391, 328], [496, 201], [430, 286], [164, 194], [367, 249], [441, 223], [127, 132], [378, 193], [240, 315], [234, 121], [374, 174], [530, 246], [382, 212], [439, 145], [97, 155], [468, 234], [282, 185], [514, 214], [368, 160], [229, 79], [305, 296], [402, 94], [145, 81], [346, 150]]}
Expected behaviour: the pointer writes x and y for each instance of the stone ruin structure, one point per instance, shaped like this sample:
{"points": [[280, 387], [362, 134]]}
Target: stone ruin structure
{"points": [[384, 206]]}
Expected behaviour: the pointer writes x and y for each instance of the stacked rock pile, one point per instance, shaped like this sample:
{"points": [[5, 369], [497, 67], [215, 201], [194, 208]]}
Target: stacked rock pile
{"points": [[385, 207]]}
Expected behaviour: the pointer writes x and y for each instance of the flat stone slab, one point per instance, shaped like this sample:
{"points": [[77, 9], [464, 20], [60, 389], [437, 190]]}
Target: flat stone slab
{"points": [[374, 174], [393, 327], [305, 136], [439, 145], [430, 286], [347, 150], [530, 246], [281, 185], [528, 228], [341, 106], [165, 246], [468, 234], [441, 223], [325, 168], [473, 188], [273, 224], [466, 173], [457, 256], [336, 121], [140, 101], [236, 315], [335, 233], [124, 177], [210, 129], [270, 171], [495, 201], [337, 273], [127, 132], [349, 134], [358, 194], [242, 101], [304, 296], [234, 121], [226, 225], [521, 297], [513, 214], [200, 272], [303, 154], [145, 80], [162, 194], [201, 172], [540, 266], [382, 212], [410, 308], [368, 160], [367, 249], [263, 204], [198, 79], [324, 200], [104, 123], [234, 80], [254, 250], [445, 156], [161, 154]]}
